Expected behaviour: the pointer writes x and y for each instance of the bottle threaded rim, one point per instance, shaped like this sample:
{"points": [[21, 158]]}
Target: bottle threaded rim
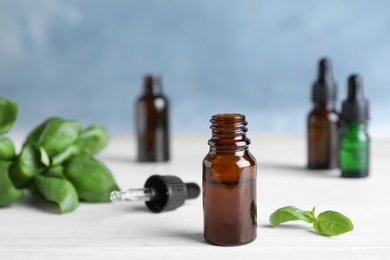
{"points": [[229, 131]]}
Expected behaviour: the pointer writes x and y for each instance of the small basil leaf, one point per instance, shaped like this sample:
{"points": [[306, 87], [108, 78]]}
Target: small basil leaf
{"points": [[7, 149], [331, 223], [290, 213], [92, 180], [8, 115], [59, 191], [55, 135], [92, 140], [8, 193], [26, 165], [61, 157], [44, 157], [55, 171]]}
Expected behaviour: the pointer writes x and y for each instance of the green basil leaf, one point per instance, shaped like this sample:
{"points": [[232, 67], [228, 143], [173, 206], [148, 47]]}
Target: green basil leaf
{"points": [[35, 135], [290, 213], [55, 135], [7, 149], [59, 135], [8, 193], [332, 223], [92, 180], [92, 140], [44, 156], [26, 166], [8, 115], [55, 171], [61, 157], [59, 191]]}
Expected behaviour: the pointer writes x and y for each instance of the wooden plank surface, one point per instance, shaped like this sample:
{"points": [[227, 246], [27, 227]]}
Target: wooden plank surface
{"points": [[112, 230]]}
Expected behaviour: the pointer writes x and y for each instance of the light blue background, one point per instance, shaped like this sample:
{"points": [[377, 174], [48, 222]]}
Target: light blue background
{"points": [[86, 59]]}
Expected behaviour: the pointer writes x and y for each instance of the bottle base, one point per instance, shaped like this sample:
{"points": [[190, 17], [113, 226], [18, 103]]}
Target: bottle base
{"points": [[146, 160], [229, 244], [354, 174], [321, 166]]}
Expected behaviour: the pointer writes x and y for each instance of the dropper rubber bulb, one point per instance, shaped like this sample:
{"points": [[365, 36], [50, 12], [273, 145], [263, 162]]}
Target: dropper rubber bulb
{"points": [[355, 91], [355, 108], [324, 70], [324, 88], [160, 193]]}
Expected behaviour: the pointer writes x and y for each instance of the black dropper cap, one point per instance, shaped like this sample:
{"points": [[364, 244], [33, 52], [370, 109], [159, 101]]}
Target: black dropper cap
{"points": [[325, 88], [169, 192], [355, 107]]}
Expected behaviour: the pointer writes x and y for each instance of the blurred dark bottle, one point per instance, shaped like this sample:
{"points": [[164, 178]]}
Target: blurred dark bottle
{"points": [[152, 122], [323, 121]]}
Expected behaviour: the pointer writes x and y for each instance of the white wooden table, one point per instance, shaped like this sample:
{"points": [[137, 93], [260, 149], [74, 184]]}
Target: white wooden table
{"points": [[28, 230]]}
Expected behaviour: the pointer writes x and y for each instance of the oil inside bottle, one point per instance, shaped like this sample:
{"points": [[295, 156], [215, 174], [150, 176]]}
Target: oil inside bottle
{"points": [[231, 214]]}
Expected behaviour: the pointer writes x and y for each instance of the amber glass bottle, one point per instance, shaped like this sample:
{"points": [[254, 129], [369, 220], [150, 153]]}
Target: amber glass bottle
{"points": [[323, 121], [152, 122], [229, 183]]}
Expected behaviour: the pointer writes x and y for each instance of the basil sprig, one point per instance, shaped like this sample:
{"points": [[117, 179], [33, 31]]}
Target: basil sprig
{"points": [[8, 193], [56, 162], [328, 223]]}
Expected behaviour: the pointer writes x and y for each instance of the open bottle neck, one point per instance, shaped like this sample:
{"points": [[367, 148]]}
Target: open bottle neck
{"points": [[228, 133], [153, 85]]}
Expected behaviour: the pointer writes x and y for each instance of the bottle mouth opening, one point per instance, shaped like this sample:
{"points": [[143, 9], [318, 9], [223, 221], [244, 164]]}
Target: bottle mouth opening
{"points": [[152, 79], [229, 116], [228, 120], [228, 124]]}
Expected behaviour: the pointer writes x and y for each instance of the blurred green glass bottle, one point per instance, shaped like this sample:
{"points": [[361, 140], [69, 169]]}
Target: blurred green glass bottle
{"points": [[355, 142]]}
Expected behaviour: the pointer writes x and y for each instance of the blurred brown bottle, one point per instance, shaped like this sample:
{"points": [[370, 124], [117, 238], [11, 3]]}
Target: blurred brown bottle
{"points": [[152, 122], [323, 121], [229, 184]]}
